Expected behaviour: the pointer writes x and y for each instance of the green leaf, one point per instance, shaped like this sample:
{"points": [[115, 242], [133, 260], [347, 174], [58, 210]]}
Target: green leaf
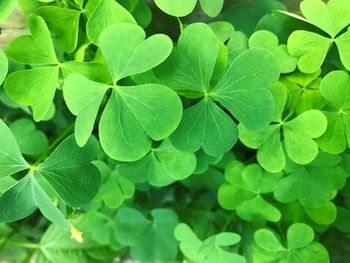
{"points": [[244, 89], [138, 56], [36, 48], [209, 250], [343, 42], [63, 24], [312, 185], [160, 167], [35, 87], [11, 159], [6, 7], [70, 172], [212, 7], [244, 190], [148, 240], [325, 215], [107, 12], [335, 88], [207, 126], [222, 29], [179, 8], [3, 66], [299, 235], [267, 240], [30, 140]]}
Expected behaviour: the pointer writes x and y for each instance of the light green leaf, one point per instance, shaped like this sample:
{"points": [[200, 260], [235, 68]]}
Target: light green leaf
{"points": [[148, 240], [176, 8], [343, 44], [107, 12], [160, 167], [299, 235], [6, 7], [267, 240], [253, 72], [35, 87], [70, 172], [324, 215], [211, 7], [206, 126], [30, 140], [63, 24], [3, 66], [222, 29], [11, 159], [36, 48]]}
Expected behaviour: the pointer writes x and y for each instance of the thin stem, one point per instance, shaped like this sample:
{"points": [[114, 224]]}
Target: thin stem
{"points": [[53, 145], [228, 222], [23, 244]]}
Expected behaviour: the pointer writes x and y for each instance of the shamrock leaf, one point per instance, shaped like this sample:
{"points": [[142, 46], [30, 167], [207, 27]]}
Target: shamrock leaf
{"points": [[148, 239], [313, 185], [3, 66], [243, 91], [268, 40], [114, 187], [312, 48], [244, 189], [297, 134], [106, 13], [209, 250], [161, 166], [335, 88], [36, 87], [29, 139], [184, 7], [134, 114], [304, 90], [300, 246], [58, 172]]}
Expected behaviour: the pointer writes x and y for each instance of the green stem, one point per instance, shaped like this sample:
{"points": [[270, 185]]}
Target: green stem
{"points": [[53, 145], [228, 222], [23, 244]]}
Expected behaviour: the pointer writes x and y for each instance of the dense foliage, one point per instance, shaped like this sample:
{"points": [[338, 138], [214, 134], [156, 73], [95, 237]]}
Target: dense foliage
{"points": [[176, 131]]}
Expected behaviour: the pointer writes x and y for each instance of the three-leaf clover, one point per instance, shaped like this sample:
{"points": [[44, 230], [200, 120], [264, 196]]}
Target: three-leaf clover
{"points": [[67, 171], [133, 115], [209, 250], [312, 48], [314, 184], [335, 88], [36, 86], [297, 136], [148, 239], [300, 247], [243, 91], [161, 166], [184, 7], [244, 189]]}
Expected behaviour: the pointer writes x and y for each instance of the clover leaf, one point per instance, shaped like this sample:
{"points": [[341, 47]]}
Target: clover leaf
{"points": [[58, 172], [3, 66], [161, 166], [312, 48], [115, 188], [36, 86], [244, 191], [30, 140], [243, 91], [300, 246], [297, 136], [148, 239], [335, 88], [314, 184], [184, 7], [209, 250], [133, 114], [268, 40]]}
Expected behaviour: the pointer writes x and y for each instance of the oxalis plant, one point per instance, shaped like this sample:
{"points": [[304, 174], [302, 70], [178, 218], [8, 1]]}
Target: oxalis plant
{"points": [[204, 131]]}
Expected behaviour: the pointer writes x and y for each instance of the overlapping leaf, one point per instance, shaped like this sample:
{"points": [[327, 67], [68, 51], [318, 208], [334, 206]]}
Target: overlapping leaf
{"points": [[243, 91], [209, 250], [148, 239], [300, 246], [244, 191], [3, 66], [134, 114], [298, 135], [312, 48], [67, 171]]}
